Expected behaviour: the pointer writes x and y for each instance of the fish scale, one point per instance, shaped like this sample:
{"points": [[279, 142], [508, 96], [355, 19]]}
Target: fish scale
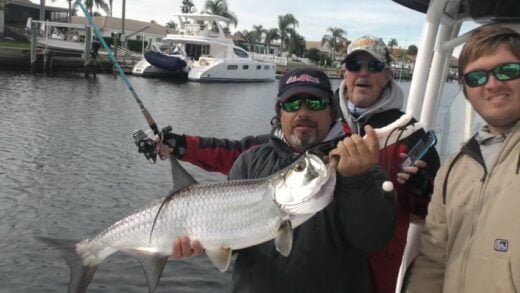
{"points": [[222, 216]]}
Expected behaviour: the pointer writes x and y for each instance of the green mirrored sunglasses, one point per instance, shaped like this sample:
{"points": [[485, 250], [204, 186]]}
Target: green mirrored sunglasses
{"points": [[503, 72], [313, 103]]}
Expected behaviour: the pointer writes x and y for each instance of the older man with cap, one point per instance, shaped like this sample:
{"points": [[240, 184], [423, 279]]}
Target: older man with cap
{"points": [[329, 250], [368, 95]]}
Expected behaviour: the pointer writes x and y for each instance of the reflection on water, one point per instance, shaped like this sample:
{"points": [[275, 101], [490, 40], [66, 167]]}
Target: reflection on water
{"points": [[68, 168]]}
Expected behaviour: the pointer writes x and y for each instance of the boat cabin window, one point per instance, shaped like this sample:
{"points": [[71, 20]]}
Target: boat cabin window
{"points": [[232, 67], [266, 67], [245, 67], [240, 53], [259, 67]]}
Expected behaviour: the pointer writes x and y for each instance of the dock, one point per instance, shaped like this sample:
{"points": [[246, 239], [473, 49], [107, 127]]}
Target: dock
{"points": [[50, 49]]}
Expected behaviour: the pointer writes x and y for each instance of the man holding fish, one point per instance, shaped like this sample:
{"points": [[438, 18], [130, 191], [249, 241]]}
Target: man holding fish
{"points": [[368, 95], [329, 251]]}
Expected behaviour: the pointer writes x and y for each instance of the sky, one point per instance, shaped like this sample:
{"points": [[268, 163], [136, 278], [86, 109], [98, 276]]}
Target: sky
{"points": [[382, 18]]}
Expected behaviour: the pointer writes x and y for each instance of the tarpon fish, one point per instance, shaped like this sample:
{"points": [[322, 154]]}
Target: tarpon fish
{"points": [[222, 216]]}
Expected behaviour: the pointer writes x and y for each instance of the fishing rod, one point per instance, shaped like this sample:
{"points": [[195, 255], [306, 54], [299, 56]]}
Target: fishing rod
{"points": [[143, 142]]}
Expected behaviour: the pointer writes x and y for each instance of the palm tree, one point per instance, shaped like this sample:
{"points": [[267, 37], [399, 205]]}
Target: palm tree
{"points": [[271, 35], [220, 7], [336, 40], [70, 11], [249, 37], [171, 24], [412, 50], [42, 10], [187, 6], [296, 44], [392, 43], [286, 25], [89, 5], [259, 31]]}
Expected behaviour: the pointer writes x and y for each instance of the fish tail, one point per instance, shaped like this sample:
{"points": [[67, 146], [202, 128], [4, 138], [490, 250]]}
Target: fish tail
{"points": [[80, 274]]}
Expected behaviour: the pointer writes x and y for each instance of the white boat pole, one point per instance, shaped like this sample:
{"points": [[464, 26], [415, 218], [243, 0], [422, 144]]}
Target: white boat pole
{"points": [[424, 56], [438, 73], [415, 98]]}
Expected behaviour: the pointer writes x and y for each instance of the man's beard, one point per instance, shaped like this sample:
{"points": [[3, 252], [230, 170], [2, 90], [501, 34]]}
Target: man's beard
{"points": [[304, 141]]}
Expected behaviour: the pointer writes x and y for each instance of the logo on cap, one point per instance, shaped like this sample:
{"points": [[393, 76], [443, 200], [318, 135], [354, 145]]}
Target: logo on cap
{"points": [[372, 45], [303, 78], [363, 42]]}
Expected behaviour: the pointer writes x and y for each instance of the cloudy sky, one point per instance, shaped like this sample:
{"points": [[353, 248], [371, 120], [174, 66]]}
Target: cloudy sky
{"points": [[382, 18]]}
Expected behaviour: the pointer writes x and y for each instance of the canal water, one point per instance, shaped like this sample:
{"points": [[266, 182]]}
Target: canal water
{"points": [[69, 168]]}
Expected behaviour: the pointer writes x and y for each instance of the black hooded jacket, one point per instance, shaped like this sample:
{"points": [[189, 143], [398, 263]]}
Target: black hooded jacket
{"points": [[329, 251]]}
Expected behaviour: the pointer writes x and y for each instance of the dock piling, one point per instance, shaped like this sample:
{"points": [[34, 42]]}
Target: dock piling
{"points": [[34, 31]]}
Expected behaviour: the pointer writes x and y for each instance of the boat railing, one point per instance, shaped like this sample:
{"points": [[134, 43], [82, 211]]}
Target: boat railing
{"points": [[269, 58], [195, 30]]}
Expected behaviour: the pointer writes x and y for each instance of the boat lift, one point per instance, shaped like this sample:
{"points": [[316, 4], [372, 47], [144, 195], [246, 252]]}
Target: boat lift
{"points": [[48, 35]]}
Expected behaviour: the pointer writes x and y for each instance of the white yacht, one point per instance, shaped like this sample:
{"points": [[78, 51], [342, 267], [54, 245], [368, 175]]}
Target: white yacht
{"points": [[210, 56]]}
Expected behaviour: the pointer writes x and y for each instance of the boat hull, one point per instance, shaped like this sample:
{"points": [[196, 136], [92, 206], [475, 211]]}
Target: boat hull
{"points": [[215, 70]]}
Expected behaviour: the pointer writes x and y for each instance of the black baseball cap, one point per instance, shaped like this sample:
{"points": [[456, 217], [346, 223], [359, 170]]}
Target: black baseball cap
{"points": [[304, 81]]}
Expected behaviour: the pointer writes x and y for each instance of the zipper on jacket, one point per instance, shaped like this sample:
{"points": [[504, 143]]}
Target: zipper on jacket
{"points": [[469, 244]]}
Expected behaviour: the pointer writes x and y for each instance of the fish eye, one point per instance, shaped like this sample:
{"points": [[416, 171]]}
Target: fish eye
{"points": [[300, 166]]}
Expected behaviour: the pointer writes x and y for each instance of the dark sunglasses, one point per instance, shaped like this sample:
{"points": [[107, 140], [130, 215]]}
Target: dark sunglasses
{"points": [[503, 72], [313, 103], [372, 65]]}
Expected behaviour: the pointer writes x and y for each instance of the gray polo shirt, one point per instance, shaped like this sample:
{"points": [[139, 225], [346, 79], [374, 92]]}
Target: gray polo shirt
{"points": [[490, 145]]}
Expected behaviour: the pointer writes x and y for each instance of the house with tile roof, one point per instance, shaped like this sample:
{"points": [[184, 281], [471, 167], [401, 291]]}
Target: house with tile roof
{"points": [[110, 25]]}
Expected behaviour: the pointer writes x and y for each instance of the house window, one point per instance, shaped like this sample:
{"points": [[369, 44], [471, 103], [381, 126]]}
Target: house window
{"points": [[232, 67]]}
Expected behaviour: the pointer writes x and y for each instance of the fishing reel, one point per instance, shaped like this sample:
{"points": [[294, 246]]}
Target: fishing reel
{"points": [[145, 144]]}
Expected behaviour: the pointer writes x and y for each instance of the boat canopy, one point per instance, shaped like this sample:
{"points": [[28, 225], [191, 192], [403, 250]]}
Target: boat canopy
{"points": [[477, 10], [203, 16]]}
